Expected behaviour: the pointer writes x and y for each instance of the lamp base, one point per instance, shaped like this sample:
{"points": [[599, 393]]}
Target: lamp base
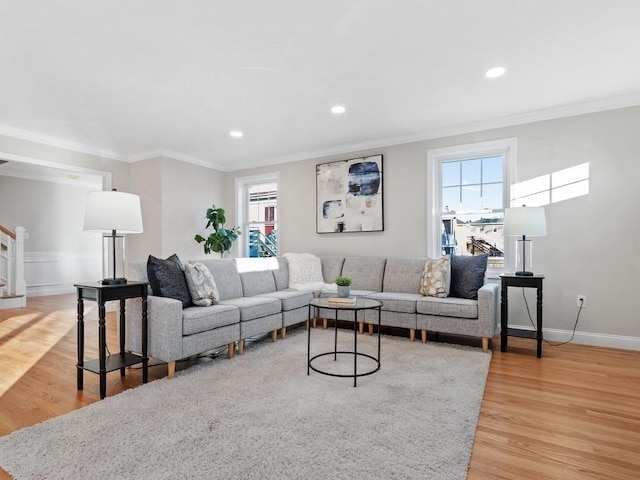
{"points": [[114, 281], [524, 274]]}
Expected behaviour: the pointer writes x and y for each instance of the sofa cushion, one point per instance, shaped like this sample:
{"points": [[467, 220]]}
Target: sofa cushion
{"points": [[290, 299], [201, 319], [467, 275], [167, 279], [281, 274], [331, 268], [403, 274], [436, 277], [256, 283], [448, 307], [254, 307], [202, 286], [366, 272], [397, 302], [226, 276]]}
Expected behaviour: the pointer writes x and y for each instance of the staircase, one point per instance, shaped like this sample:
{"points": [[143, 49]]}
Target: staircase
{"points": [[13, 288]]}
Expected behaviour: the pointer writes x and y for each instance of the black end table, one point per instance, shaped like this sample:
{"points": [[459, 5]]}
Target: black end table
{"points": [[531, 281], [101, 294]]}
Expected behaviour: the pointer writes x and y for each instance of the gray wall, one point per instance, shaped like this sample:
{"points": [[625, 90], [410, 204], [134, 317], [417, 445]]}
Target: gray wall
{"points": [[174, 199], [589, 248]]}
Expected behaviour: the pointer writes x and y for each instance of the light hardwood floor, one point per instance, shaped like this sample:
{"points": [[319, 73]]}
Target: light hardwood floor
{"points": [[574, 414]]}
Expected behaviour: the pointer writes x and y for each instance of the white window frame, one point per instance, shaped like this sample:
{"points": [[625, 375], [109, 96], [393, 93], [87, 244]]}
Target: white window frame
{"points": [[508, 148], [242, 206]]}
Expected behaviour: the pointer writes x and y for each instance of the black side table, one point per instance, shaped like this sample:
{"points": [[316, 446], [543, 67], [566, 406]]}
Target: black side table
{"points": [[511, 280], [101, 294]]}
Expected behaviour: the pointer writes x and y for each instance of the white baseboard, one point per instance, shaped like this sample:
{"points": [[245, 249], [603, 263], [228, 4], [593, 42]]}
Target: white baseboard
{"points": [[587, 338]]}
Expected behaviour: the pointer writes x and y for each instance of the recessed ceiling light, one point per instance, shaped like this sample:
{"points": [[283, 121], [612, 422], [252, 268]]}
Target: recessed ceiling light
{"points": [[236, 134], [495, 72], [338, 109], [73, 176]]}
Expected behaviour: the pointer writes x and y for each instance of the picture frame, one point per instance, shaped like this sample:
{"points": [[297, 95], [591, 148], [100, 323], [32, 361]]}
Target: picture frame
{"points": [[349, 195]]}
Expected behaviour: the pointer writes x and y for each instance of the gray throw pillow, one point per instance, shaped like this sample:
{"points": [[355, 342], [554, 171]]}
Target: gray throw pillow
{"points": [[167, 279], [467, 275]]}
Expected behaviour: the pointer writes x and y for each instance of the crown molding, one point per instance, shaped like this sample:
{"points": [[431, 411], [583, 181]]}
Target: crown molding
{"points": [[461, 129], [57, 142], [347, 148], [163, 152]]}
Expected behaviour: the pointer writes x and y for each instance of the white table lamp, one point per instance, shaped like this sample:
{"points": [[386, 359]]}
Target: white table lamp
{"points": [[525, 222], [113, 212]]}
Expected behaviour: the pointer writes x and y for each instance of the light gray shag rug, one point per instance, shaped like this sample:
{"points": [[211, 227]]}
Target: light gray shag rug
{"points": [[259, 416]]}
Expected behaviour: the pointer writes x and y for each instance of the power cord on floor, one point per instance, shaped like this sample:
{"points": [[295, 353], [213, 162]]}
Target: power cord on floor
{"points": [[573, 332]]}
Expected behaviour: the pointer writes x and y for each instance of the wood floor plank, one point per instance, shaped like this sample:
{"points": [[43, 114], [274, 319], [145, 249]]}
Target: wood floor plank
{"points": [[573, 414]]}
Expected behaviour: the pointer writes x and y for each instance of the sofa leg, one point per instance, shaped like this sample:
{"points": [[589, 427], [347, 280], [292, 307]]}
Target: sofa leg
{"points": [[230, 349], [370, 325], [424, 336], [240, 347], [283, 332], [485, 344], [274, 335], [325, 322], [412, 334], [171, 369]]}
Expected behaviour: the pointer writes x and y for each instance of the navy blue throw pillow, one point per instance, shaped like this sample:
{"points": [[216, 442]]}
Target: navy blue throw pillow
{"points": [[467, 275], [167, 279]]}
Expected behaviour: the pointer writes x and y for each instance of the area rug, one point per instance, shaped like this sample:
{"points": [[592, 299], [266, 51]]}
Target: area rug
{"points": [[260, 416]]}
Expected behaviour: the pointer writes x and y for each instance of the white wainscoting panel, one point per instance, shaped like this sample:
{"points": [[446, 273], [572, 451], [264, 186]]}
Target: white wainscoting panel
{"points": [[53, 273]]}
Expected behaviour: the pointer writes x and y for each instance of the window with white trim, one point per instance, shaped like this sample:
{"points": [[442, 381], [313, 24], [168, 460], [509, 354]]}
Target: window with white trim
{"points": [[469, 190], [258, 215]]}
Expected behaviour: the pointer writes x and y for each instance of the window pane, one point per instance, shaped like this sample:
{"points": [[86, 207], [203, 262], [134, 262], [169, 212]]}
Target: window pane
{"points": [[492, 196], [451, 199], [471, 171], [471, 199], [492, 169], [450, 174]]}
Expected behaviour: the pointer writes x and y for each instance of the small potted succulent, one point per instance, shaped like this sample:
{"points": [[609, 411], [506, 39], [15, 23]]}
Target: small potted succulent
{"points": [[344, 286]]}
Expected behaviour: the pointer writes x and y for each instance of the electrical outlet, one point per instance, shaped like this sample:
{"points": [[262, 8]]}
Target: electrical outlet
{"points": [[581, 301]]}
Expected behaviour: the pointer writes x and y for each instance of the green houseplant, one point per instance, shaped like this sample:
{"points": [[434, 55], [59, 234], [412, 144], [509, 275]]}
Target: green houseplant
{"points": [[344, 286], [221, 239]]}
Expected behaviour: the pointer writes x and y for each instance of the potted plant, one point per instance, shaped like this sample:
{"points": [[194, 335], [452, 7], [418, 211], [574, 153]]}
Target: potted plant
{"points": [[221, 239], [344, 286]]}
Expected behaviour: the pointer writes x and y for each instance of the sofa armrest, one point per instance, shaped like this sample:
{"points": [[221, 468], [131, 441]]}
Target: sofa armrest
{"points": [[164, 320], [488, 310]]}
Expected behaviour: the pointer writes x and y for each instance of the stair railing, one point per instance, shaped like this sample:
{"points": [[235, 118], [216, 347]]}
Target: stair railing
{"points": [[12, 282]]}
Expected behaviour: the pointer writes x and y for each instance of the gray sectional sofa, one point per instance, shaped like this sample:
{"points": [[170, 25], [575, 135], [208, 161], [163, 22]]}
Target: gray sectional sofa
{"points": [[259, 302]]}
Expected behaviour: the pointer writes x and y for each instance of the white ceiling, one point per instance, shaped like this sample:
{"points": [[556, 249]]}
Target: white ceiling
{"points": [[135, 79]]}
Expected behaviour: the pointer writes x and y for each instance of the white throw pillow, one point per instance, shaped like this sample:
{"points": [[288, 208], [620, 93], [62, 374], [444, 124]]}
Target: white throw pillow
{"points": [[304, 268], [202, 286], [436, 277]]}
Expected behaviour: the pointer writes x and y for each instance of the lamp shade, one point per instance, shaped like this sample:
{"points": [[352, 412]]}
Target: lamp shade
{"points": [[112, 210], [529, 221]]}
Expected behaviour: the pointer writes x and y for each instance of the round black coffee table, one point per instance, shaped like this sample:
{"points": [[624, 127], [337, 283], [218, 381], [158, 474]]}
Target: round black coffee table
{"points": [[359, 305]]}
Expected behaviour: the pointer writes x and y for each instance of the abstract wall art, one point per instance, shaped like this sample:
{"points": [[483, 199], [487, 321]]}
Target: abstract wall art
{"points": [[349, 196]]}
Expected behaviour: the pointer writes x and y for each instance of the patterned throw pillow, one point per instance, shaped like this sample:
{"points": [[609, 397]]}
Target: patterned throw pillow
{"points": [[202, 286], [436, 277], [167, 279]]}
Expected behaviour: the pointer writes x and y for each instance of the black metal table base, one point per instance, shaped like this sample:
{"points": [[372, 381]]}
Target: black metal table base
{"points": [[364, 304]]}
